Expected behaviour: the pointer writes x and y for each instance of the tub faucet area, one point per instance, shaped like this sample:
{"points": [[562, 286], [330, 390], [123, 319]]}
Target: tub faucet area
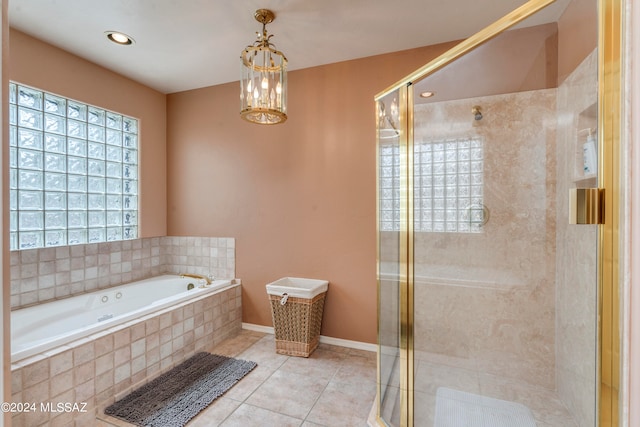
{"points": [[208, 279]]}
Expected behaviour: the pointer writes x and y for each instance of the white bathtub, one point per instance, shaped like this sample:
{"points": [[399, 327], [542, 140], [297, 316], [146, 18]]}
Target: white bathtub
{"points": [[43, 327]]}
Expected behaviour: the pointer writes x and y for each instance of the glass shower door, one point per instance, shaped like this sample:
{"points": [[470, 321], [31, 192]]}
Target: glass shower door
{"points": [[498, 252], [505, 289], [392, 260]]}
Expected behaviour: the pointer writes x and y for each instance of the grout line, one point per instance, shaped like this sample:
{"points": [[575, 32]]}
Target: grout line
{"points": [[244, 402], [324, 389]]}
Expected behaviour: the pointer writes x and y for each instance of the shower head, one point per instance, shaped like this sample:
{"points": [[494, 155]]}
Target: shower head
{"points": [[477, 114]]}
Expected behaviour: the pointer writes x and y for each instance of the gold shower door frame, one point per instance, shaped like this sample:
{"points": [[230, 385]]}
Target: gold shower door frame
{"points": [[610, 18]]}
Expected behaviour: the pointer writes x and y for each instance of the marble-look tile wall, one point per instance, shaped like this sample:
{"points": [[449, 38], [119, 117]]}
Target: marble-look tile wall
{"points": [[40, 275], [489, 297], [576, 276]]}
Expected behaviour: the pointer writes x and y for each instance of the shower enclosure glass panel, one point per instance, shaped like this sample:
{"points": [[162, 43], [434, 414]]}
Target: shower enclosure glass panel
{"points": [[391, 264], [488, 296], [504, 287]]}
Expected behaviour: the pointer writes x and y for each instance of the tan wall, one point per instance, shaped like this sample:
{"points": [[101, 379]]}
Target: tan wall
{"points": [[73, 77], [299, 197], [577, 35]]}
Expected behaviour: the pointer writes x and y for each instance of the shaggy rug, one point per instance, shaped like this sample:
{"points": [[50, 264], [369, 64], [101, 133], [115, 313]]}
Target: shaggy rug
{"points": [[172, 399]]}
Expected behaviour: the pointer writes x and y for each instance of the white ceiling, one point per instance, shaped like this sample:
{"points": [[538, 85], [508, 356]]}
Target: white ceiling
{"points": [[187, 44]]}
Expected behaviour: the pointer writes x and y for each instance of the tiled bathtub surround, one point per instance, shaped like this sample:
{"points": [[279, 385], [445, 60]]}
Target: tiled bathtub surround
{"points": [[40, 275], [109, 364], [199, 255]]}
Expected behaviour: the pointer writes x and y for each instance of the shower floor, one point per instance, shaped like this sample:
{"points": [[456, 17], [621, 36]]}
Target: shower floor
{"points": [[435, 371]]}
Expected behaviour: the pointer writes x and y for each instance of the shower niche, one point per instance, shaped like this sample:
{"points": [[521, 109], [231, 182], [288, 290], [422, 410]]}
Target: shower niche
{"points": [[487, 296], [586, 152]]}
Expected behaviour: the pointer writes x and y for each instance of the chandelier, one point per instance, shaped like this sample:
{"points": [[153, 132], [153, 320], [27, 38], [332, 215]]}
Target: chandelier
{"points": [[263, 84]]}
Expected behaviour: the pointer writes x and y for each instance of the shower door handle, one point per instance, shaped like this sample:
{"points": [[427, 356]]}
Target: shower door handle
{"points": [[586, 206]]}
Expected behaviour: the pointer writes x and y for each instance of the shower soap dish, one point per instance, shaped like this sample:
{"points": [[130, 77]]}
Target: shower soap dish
{"points": [[296, 307]]}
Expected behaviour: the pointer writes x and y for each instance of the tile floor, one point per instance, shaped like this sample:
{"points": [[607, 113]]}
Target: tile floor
{"points": [[335, 386]]}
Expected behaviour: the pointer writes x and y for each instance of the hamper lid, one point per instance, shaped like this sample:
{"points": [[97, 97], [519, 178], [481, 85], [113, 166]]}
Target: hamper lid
{"points": [[297, 287]]}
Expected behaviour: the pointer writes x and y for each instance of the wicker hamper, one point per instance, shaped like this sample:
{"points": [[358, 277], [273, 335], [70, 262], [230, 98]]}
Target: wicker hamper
{"points": [[296, 319]]}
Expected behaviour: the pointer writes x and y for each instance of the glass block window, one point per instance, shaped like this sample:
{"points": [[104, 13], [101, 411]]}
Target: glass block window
{"points": [[448, 182], [389, 187], [448, 186], [74, 171]]}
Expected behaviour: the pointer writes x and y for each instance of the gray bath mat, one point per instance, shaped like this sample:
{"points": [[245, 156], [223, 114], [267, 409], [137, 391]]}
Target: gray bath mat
{"points": [[175, 397], [459, 409]]}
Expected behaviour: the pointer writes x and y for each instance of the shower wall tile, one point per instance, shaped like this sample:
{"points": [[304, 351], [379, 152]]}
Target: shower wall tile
{"points": [[489, 297], [41, 275]]}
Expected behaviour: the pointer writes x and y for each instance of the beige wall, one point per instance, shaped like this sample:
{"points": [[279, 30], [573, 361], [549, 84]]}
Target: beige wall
{"points": [[76, 78], [578, 35], [299, 197]]}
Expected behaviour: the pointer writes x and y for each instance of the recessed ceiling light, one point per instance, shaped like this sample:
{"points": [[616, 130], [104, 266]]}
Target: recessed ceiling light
{"points": [[427, 94], [119, 38]]}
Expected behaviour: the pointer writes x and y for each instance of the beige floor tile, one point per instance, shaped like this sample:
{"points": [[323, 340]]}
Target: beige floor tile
{"points": [[288, 393], [264, 354], [343, 404], [236, 345], [335, 386], [363, 353], [322, 364], [254, 379], [252, 416], [216, 413], [356, 369], [111, 421], [334, 348]]}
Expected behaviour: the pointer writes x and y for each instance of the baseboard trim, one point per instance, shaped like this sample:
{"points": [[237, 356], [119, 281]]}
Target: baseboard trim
{"points": [[323, 339], [257, 328]]}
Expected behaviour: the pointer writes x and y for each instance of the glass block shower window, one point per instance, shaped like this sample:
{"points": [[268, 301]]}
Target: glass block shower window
{"points": [[448, 186], [74, 171], [389, 187], [448, 182]]}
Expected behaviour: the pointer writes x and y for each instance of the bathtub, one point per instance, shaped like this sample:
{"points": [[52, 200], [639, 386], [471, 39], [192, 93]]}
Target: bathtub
{"points": [[40, 328]]}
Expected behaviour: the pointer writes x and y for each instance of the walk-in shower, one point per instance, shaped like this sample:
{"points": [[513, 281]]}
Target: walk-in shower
{"points": [[489, 296]]}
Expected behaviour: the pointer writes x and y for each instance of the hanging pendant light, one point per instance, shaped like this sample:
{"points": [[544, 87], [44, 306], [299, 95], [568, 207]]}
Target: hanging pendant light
{"points": [[263, 84]]}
